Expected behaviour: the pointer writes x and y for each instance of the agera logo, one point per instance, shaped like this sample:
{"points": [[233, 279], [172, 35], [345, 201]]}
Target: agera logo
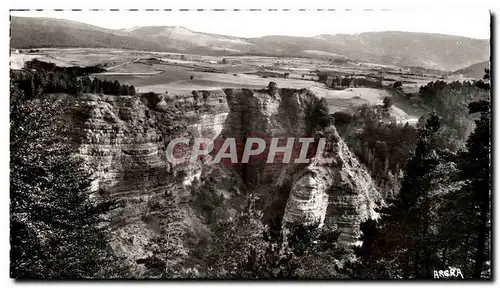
{"points": [[451, 273]]}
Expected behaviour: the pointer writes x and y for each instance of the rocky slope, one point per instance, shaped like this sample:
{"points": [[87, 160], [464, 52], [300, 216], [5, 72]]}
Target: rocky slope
{"points": [[124, 138]]}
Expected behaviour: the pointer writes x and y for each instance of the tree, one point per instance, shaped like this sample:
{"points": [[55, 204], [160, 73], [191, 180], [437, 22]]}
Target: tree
{"points": [[475, 169], [54, 216], [169, 252], [272, 87], [387, 102], [318, 116], [245, 248], [116, 88], [286, 75], [196, 95], [237, 247], [131, 91], [404, 237], [397, 84], [420, 179]]}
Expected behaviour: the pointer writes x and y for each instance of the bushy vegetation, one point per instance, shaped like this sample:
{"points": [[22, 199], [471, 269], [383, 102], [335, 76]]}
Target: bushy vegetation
{"points": [[317, 115], [55, 218], [272, 87], [335, 81], [387, 102], [450, 101], [39, 77], [441, 217], [169, 252], [245, 248], [382, 146]]}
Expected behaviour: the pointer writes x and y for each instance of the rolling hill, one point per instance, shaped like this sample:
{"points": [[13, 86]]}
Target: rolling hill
{"points": [[435, 51], [46, 32], [475, 71]]}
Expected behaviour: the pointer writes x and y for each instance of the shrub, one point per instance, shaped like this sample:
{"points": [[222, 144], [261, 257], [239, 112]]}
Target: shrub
{"points": [[272, 87], [191, 77], [397, 84], [387, 102], [195, 95], [205, 94], [318, 116], [342, 118]]}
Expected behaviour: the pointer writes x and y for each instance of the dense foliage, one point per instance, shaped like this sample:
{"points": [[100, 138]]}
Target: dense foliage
{"points": [[39, 77], [169, 252], [382, 146], [450, 101], [244, 248], [441, 218], [317, 115], [55, 218]]}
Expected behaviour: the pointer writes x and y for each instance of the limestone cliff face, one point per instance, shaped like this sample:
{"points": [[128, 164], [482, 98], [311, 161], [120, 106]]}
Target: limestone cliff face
{"points": [[124, 138], [340, 194]]}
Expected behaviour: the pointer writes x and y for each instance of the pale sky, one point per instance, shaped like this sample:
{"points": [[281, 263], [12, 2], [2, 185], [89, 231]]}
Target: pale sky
{"points": [[468, 23]]}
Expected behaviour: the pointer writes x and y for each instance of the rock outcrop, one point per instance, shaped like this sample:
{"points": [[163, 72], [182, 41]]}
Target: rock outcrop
{"points": [[124, 138]]}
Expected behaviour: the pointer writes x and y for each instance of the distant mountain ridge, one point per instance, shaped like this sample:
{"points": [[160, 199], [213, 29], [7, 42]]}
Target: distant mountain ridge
{"points": [[436, 51]]}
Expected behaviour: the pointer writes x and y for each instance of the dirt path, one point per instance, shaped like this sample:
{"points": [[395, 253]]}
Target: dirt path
{"points": [[131, 61]]}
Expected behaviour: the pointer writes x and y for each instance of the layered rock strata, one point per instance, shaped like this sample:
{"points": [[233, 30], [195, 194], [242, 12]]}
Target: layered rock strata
{"points": [[124, 139]]}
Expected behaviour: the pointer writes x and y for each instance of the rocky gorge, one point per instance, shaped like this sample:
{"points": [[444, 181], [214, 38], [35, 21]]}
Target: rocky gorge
{"points": [[124, 140]]}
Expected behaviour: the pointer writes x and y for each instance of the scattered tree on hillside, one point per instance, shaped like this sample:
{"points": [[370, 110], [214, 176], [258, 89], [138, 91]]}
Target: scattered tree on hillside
{"points": [[272, 87], [451, 100], [169, 252], [40, 77], [404, 236], [318, 116], [387, 102], [196, 95], [472, 203], [245, 248]]}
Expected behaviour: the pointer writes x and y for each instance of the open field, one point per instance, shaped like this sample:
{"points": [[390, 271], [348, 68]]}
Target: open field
{"points": [[182, 73]]}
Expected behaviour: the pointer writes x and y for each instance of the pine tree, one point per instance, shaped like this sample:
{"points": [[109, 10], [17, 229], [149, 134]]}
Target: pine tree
{"points": [[169, 252], [237, 247], [318, 116], [476, 171], [54, 217], [404, 240]]}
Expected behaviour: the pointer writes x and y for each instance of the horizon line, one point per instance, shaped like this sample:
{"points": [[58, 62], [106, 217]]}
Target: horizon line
{"points": [[235, 36]]}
